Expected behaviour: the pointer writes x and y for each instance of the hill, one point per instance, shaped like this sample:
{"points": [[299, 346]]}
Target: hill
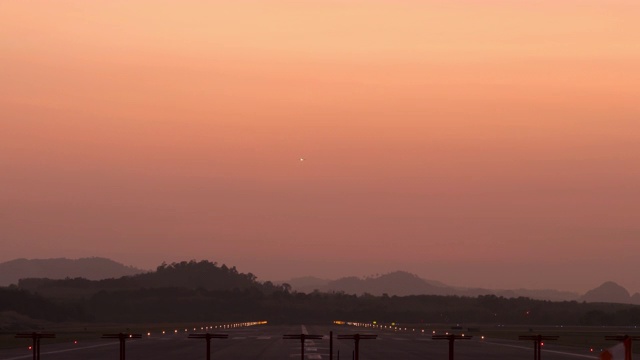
{"points": [[401, 283], [201, 291], [94, 268], [191, 275], [398, 283], [612, 293]]}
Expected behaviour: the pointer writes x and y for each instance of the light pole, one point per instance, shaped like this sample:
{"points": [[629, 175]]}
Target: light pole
{"points": [[122, 337], [208, 337], [302, 338], [452, 338], [356, 338], [537, 342], [36, 341]]}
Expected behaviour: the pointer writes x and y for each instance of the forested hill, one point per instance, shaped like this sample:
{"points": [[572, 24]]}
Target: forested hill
{"points": [[202, 291], [188, 275]]}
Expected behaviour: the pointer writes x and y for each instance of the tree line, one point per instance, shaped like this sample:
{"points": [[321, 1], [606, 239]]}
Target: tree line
{"points": [[204, 291]]}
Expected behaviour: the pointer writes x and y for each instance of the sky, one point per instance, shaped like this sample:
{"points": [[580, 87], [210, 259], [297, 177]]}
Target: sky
{"points": [[478, 143]]}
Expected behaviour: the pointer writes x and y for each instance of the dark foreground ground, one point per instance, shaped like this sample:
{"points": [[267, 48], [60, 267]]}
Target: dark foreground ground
{"points": [[265, 342]]}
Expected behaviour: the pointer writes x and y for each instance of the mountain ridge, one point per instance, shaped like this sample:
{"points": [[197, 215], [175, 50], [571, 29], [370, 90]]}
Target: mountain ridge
{"points": [[402, 283], [398, 283]]}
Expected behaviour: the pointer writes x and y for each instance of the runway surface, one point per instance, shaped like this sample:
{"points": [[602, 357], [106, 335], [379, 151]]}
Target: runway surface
{"points": [[265, 342]]}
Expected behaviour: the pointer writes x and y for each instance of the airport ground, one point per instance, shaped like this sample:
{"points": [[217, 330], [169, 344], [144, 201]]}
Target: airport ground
{"points": [[266, 341]]}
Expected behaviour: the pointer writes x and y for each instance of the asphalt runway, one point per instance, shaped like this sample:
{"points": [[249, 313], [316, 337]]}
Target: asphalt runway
{"points": [[266, 342]]}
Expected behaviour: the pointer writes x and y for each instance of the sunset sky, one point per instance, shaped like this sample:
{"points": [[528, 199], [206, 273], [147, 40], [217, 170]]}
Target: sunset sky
{"points": [[478, 143]]}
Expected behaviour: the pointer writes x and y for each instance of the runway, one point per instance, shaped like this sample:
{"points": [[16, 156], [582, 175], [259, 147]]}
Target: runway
{"points": [[265, 342]]}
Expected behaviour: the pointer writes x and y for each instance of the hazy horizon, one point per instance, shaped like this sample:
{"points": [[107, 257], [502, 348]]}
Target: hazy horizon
{"points": [[285, 275], [486, 144]]}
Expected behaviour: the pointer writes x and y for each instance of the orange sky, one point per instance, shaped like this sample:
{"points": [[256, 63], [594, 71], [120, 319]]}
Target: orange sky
{"points": [[481, 143]]}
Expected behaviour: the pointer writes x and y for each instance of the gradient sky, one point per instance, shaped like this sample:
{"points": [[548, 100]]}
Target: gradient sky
{"points": [[479, 143]]}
